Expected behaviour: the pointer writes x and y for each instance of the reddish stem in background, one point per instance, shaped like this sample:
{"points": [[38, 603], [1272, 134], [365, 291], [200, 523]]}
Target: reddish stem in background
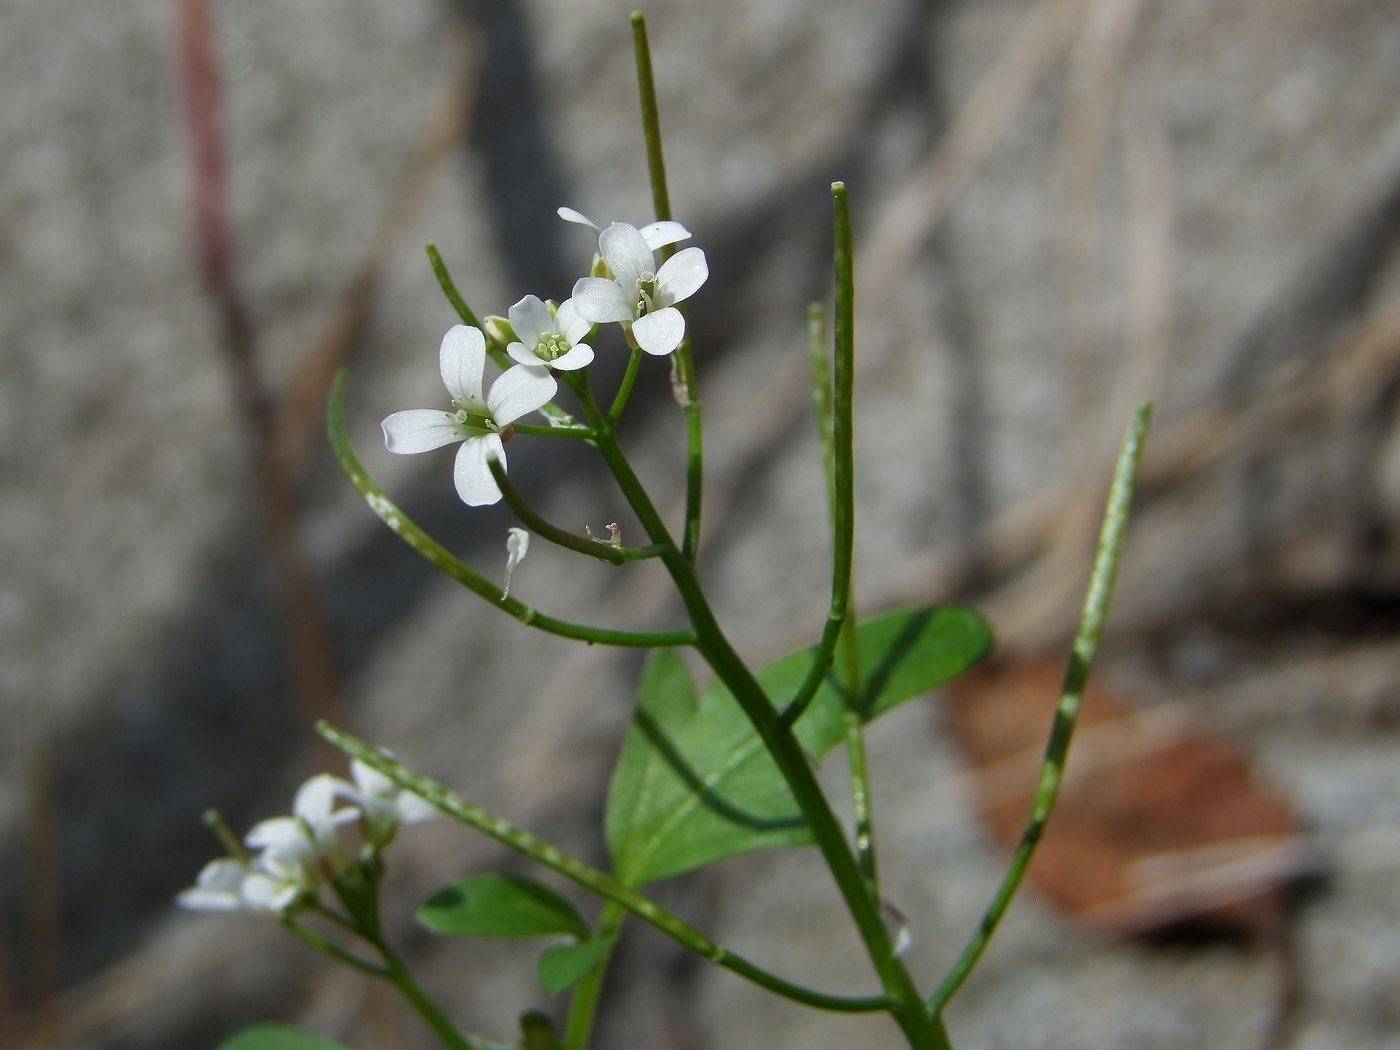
{"points": [[307, 630]]}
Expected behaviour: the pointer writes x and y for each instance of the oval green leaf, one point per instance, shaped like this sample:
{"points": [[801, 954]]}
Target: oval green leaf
{"points": [[501, 906], [564, 965]]}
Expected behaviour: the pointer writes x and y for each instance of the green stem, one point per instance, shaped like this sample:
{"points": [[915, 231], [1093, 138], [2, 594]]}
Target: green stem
{"points": [[449, 288], [315, 940], [583, 1005], [579, 433], [468, 577], [624, 391], [1086, 641], [594, 548], [590, 878], [687, 389], [419, 1000]]}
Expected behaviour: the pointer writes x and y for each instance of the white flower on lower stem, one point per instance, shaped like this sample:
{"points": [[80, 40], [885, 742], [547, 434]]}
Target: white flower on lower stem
{"points": [[639, 295], [383, 804], [551, 339], [476, 420]]}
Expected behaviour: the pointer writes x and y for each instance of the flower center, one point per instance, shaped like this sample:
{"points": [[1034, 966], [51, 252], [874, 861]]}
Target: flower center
{"points": [[646, 293], [473, 422], [551, 346]]}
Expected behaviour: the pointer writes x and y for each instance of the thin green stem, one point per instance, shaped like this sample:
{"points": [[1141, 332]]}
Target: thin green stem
{"points": [[590, 878], [1086, 641], [822, 401], [686, 388], [578, 433], [313, 939], [624, 391], [904, 1001], [449, 288], [583, 1005], [594, 548], [428, 1010], [451, 566], [862, 801]]}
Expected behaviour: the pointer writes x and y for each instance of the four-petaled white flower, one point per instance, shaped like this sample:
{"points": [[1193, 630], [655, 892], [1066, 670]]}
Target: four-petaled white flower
{"points": [[382, 804], [555, 340], [475, 421], [219, 887], [639, 295]]}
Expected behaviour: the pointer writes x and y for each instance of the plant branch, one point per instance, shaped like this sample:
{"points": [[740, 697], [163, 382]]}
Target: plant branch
{"points": [[594, 548], [590, 878], [583, 1004], [1086, 640], [451, 566]]}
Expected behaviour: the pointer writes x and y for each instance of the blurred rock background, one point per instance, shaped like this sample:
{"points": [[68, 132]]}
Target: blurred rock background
{"points": [[1061, 206]]}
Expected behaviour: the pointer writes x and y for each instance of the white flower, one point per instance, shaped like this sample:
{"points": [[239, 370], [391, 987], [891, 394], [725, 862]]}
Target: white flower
{"points": [[382, 803], [549, 339], [639, 295], [517, 546], [475, 421], [218, 888]]}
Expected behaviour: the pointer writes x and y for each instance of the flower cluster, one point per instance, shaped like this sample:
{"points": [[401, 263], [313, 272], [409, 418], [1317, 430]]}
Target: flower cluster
{"points": [[302, 852], [625, 286]]}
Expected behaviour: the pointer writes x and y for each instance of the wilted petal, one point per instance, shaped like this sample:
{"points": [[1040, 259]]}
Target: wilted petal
{"points": [[418, 430], [575, 357], [370, 781], [627, 254], [661, 332], [531, 321], [517, 546], [569, 215], [571, 324], [413, 809], [461, 360], [598, 299], [681, 276], [659, 234], [470, 474], [521, 389]]}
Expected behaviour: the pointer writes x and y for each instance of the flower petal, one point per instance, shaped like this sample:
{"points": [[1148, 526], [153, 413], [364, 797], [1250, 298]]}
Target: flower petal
{"points": [[517, 352], [661, 332], [627, 254], [659, 234], [267, 893], [470, 474], [531, 320], [569, 215], [316, 798], [197, 899], [519, 390], [681, 276], [461, 360], [276, 834], [414, 809], [571, 324], [576, 357], [370, 781], [598, 299], [418, 430]]}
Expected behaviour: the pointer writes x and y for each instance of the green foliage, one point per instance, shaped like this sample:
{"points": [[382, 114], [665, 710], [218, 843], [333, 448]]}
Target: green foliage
{"points": [[901, 655], [278, 1037], [501, 906], [695, 783], [564, 965], [537, 1031]]}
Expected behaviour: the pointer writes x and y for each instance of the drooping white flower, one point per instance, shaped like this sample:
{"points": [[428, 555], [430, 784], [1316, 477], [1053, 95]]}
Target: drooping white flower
{"points": [[555, 340], [517, 546], [476, 420], [639, 294], [384, 805]]}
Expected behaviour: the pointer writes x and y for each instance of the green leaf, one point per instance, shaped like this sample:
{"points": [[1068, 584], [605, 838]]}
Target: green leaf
{"points": [[278, 1037], [694, 783], [564, 965], [501, 906], [537, 1031], [902, 655]]}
